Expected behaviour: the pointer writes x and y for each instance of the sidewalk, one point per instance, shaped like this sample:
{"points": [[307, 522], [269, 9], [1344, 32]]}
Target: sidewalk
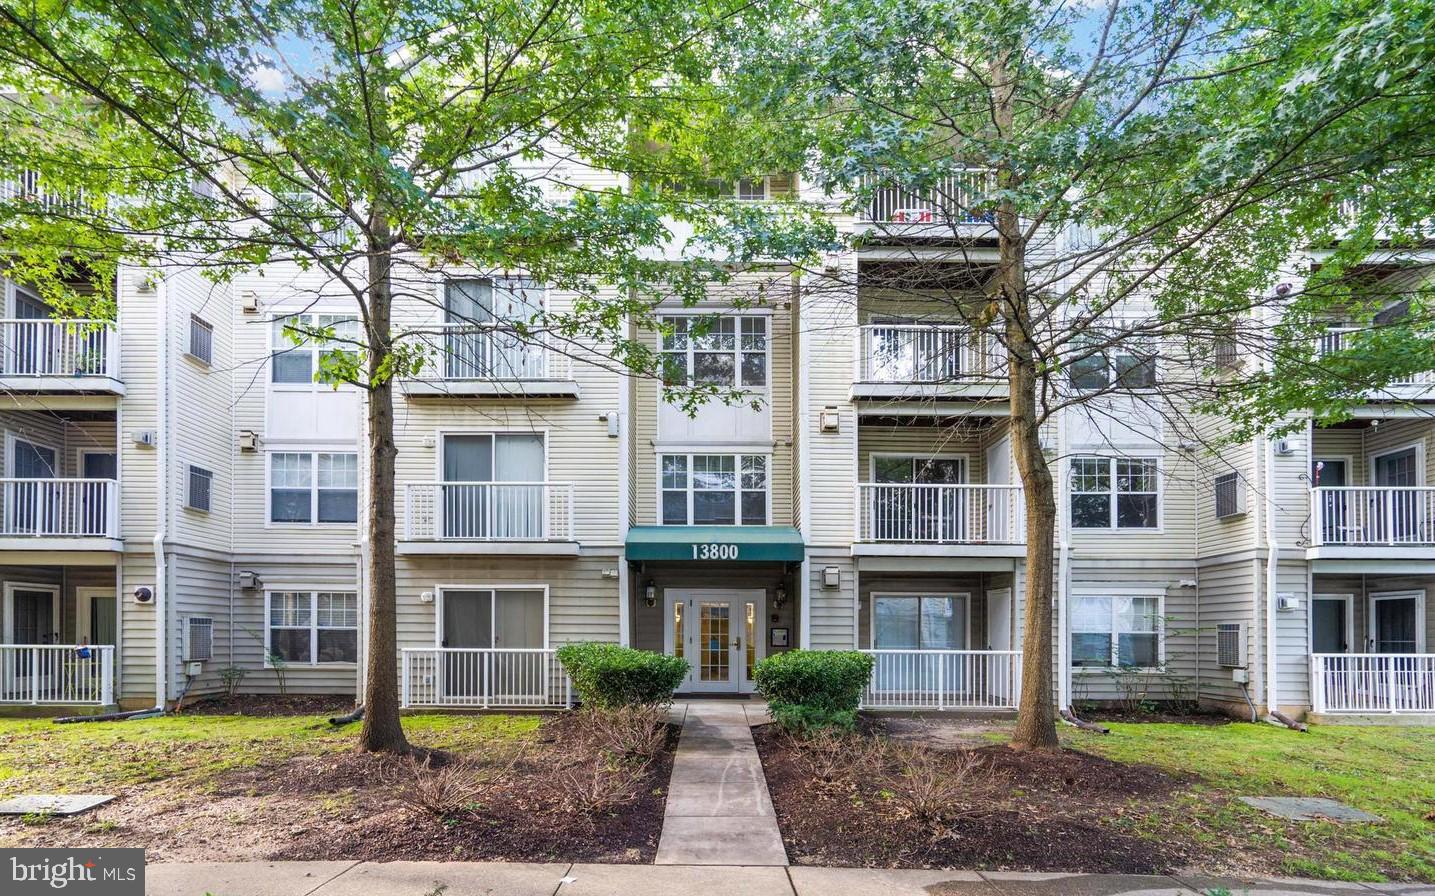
{"points": [[512, 879]]}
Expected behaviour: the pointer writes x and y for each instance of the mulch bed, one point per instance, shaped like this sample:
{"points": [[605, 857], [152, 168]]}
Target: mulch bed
{"points": [[527, 819], [1020, 811], [264, 706]]}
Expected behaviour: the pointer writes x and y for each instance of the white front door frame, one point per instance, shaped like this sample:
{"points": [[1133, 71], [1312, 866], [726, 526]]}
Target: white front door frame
{"points": [[9, 608], [84, 608], [1349, 600], [1376, 597], [736, 598], [1010, 623]]}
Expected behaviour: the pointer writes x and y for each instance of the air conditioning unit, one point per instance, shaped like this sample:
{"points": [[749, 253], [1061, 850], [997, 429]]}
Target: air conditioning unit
{"points": [[248, 440], [1285, 447], [1287, 601], [249, 302], [145, 438], [1231, 645], [198, 639]]}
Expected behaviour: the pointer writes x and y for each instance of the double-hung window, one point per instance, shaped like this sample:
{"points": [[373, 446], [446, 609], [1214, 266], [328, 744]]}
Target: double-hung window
{"points": [[726, 352], [1130, 364], [312, 627], [714, 489], [1116, 632], [313, 487], [299, 363], [1115, 493], [481, 336]]}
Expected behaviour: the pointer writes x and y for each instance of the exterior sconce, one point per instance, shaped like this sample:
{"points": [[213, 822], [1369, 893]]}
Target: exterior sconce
{"points": [[779, 598], [650, 594], [831, 576]]}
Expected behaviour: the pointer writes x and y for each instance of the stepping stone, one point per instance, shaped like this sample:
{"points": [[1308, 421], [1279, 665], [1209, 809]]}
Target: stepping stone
{"points": [[1308, 808], [53, 803]]}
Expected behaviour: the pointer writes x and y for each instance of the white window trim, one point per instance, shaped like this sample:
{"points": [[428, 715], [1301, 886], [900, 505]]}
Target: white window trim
{"points": [[9, 608], [1419, 447], [1375, 597], [441, 291], [737, 466], [1112, 591], [276, 344], [314, 452], [907, 455], [968, 610], [1114, 529], [84, 609], [737, 316], [493, 609], [313, 592], [1349, 600], [441, 434], [12, 437]]}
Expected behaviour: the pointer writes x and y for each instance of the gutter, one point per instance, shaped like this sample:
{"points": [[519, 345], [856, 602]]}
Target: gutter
{"points": [[161, 569], [1063, 568], [1272, 559], [804, 469]]}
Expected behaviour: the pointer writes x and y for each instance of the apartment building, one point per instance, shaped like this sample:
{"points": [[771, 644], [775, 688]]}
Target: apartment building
{"points": [[182, 503]]}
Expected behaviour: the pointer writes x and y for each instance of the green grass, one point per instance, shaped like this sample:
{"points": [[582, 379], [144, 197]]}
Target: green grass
{"points": [[1387, 771], [37, 755]]}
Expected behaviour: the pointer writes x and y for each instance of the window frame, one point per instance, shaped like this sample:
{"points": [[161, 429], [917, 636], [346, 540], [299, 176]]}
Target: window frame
{"points": [[313, 591], [737, 490], [689, 352], [207, 357], [313, 522], [279, 345], [1107, 364], [542, 588], [208, 476], [1112, 593], [1113, 516]]}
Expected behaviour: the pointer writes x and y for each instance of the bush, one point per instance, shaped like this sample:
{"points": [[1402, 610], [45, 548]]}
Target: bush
{"points": [[814, 690], [606, 675]]}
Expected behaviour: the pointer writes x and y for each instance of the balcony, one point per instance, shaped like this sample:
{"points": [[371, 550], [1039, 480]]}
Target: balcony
{"points": [[1372, 521], [59, 514], [488, 518], [59, 356], [28, 188], [57, 674], [901, 519], [948, 204], [484, 678], [1413, 386], [961, 680], [490, 360], [1373, 684], [928, 361]]}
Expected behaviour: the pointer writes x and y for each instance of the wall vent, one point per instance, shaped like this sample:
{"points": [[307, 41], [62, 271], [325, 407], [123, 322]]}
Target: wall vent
{"points": [[1231, 645]]}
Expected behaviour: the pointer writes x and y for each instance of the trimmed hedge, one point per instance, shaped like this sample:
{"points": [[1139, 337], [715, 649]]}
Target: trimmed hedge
{"points": [[607, 675], [812, 689]]}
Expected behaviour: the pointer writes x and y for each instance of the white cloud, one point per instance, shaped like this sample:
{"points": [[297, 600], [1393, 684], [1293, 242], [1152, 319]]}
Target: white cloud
{"points": [[269, 80]]}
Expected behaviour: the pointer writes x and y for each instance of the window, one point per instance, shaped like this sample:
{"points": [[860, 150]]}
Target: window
{"points": [[201, 340], [1129, 365], [313, 627], [714, 489], [1116, 632], [1230, 496], [307, 487], [758, 189], [200, 484], [299, 364], [494, 485], [480, 339], [1115, 493], [919, 622], [726, 352]]}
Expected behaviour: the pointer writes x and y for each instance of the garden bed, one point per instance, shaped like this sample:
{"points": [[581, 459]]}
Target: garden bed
{"points": [[265, 706]]}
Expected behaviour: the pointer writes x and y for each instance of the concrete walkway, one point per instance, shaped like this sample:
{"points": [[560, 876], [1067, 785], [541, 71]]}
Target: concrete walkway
{"points": [[563, 879], [719, 811]]}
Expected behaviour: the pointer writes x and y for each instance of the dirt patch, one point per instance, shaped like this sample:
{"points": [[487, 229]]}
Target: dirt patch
{"points": [[1015, 812], [1156, 717], [350, 805], [259, 706]]}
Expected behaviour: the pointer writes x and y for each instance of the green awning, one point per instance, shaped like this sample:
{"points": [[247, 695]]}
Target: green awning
{"points": [[716, 543]]}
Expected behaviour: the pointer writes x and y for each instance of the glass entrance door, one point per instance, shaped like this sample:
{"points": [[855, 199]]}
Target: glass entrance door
{"points": [[719, 633]]}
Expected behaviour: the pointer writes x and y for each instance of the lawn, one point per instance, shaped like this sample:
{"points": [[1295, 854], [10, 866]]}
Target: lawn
{"points": [[242, 787], [1387, 771]]}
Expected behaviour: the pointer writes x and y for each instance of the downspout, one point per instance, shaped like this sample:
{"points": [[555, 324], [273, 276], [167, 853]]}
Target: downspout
{"points": [[804, 469], [161, 567], [625, 510], [1272, 560], [1063, 567]]}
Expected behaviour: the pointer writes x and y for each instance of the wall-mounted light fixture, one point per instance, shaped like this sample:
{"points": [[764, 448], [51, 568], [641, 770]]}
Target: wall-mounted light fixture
{"points": [[779, 597], [831, 576], [650, 594]]}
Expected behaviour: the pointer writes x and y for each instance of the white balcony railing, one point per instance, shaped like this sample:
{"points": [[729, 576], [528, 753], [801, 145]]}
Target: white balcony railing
{"points": [[1372, 515], [30, 188], [1337, 339], [57, 673], [927, 353], [59, 508], [488, 511], [484, 679], [940, 514], [495, 353], [1373, 682], [950, 200], [944, 679], [58, 348]]}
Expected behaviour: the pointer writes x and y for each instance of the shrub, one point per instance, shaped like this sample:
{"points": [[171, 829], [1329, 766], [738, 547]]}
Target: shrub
{"points": [[637, 731], [606, 675], [445, 790], [812, 690]]}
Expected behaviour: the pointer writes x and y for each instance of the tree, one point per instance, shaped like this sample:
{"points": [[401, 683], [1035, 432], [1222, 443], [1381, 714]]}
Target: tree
{"points": [[1145, 175], [369, 141]]}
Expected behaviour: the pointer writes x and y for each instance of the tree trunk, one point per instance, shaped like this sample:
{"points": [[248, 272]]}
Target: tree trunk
{"points": [[1036, 713], [382, 730]]}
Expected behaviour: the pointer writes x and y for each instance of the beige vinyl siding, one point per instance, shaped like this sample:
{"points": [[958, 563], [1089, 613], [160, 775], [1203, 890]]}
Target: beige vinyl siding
{"points": [[1293, 638], [1174, 539], [1215, 535], [833, 610], [56, 430], [139, 334], [1227, 593], [137, 630], [1180, 623], [829, 320], [968, 440], [249, 624], [203, 586]]}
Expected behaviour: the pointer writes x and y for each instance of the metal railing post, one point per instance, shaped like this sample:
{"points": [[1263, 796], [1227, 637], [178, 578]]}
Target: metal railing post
{"points": [[107, 672]]}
